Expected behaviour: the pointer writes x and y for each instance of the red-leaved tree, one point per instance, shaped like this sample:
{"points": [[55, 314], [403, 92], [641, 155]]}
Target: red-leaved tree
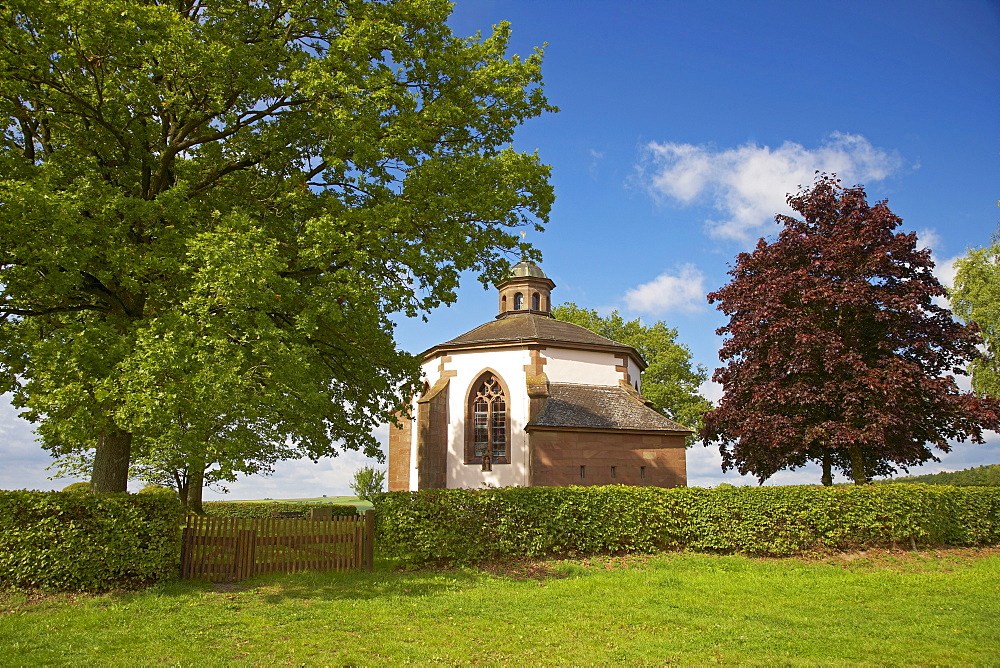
{"points": [[836, 352]]}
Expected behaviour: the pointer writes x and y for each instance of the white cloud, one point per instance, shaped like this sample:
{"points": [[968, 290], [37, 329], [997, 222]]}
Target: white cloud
{"points": [[303, 478], [300, 478], [944, 270], [23, 465], [704, 465], [704, 469], [711, 391], [748, 184], [928, 238], [683, 291]]}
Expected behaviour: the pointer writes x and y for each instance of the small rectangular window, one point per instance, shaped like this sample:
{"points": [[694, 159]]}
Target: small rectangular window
{"points": [[583, 472], [642, 472], [612, 472]]}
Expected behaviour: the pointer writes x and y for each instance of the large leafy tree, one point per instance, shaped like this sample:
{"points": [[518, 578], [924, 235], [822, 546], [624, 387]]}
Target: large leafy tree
{"points": [[976, 298], [209, 210], [671, 382], [836, 352]]}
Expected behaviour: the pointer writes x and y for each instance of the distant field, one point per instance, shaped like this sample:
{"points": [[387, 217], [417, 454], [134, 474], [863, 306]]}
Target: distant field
{"points": [[335, 500], [976, 476]]}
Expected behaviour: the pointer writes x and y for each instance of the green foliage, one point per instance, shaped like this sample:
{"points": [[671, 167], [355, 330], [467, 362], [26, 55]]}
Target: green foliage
{"points": [[77, 488], [157, 489], [368, 482], [60, 541], [972, 477], [265, 510], [464, 526], [212, 212], [670, 381], [836, 351], [976, 298]]}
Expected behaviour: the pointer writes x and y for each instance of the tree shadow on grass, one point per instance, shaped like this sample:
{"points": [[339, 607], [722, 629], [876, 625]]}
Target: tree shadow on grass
{"points": [[386, 581]]}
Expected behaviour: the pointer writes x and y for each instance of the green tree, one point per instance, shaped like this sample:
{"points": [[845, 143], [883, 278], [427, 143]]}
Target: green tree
{"points": [[367, 482], [976, 299], [670, 381], [209, 211]]}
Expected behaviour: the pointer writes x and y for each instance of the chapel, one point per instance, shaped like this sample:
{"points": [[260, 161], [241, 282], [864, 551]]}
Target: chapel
{"points": [[527, 400]]}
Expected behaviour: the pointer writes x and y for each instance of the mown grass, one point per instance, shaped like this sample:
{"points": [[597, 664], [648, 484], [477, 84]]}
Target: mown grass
{"points": [[887, 609]]}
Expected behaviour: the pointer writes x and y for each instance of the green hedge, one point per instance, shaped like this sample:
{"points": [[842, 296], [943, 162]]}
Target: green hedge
{"points": [[463, 526], [73, 541], [264, 510]]}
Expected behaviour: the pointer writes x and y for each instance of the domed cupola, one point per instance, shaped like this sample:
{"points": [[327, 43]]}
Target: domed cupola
{"points": [[527, 291]]}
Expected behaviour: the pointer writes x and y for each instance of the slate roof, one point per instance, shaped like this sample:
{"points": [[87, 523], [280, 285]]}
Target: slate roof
{"points": [[600, 407], [532, 327]]}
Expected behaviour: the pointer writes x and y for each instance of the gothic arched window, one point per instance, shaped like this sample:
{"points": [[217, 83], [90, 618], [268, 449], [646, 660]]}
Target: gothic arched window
{"points": [[536, 302], [518, 301], [488, 423]]}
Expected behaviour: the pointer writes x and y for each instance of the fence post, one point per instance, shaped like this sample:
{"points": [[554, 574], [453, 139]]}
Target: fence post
{"points": [[368, 561], [186, 535], [245, 554]]}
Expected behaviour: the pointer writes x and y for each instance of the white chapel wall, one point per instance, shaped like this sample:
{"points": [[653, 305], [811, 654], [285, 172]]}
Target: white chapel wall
{"points": [[509, 364], [585, 367], [561, 366], [634, 374]]}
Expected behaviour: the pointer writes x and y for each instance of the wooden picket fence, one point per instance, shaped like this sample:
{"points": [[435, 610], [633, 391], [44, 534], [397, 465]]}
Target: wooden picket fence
{"points": [[226, 549]]}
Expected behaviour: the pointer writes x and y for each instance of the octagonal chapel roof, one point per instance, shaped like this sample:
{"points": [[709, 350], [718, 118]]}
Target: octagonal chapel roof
{"points": [[521, 326], [530, 328]]}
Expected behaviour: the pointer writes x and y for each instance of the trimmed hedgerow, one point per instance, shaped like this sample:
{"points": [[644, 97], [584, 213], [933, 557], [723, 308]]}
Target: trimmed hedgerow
{"points": [[264, 510], [463, 526], [73, 541], [77, 487]]}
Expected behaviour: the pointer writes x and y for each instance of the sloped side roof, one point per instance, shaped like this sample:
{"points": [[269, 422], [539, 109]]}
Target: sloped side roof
{"points": [[600, 407]]}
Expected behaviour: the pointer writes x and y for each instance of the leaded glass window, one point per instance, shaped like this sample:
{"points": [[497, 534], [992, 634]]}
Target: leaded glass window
{"points": [[488, 413]]}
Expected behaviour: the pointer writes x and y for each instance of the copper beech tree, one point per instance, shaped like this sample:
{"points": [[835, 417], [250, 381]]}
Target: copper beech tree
{"points": [[836, 352]]}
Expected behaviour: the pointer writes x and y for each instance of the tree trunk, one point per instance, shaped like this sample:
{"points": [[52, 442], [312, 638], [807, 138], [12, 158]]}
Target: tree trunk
{"points": [[195, 486], [858, 465], [111, 460], [182, 481], [827, 469]]}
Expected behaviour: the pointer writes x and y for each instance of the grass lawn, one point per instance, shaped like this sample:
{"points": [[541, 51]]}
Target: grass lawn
{"points": [[893, 608]]}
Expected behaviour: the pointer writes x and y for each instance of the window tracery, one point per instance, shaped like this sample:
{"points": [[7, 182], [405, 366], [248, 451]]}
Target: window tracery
{"points": [[488, 436]]}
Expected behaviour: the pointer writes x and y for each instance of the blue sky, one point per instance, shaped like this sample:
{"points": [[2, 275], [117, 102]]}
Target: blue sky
{"points": [[682, 127]]}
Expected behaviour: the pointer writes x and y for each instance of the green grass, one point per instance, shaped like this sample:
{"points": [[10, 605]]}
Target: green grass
{"points": [[888, 609]]}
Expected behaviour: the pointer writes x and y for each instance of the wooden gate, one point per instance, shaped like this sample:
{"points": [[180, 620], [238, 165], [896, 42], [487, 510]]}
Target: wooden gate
{"points": [[225, 549]]}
